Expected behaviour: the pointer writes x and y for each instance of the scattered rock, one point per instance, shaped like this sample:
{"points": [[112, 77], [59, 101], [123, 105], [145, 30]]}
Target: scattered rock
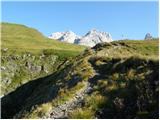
{"points": [[42, 56], [4, 49], [28, 55], [24, 56], [28, 64], [3, 68], [62, 111], [36, 68], [6, 80], [119, 103], [89, 90]]}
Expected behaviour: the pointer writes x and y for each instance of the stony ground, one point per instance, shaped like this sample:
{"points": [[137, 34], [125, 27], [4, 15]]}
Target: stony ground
{"points": [[61, 111]]}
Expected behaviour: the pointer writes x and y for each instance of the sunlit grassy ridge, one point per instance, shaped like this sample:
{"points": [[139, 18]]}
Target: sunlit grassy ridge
{"points": [[126, 79], [22, 38], [127, 48]]}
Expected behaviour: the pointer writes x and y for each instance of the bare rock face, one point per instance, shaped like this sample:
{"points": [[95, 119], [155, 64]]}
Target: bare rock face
{"points": [[68, 36], [90, 39], [94, 37], [148, 36]]}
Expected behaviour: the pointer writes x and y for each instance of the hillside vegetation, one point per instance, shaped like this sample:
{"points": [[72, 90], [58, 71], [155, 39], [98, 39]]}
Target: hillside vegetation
{"points": [[111, 80], [27, 55], [23, 38]]}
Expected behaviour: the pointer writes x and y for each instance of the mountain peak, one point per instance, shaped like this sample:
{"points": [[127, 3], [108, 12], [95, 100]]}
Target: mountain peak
{"points": [[92, 37], [69, 31], [93, 30], [67, 36]]}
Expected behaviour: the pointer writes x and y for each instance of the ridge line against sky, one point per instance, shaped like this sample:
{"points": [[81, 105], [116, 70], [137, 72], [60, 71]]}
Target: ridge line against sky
{"points": [[129, 19]]}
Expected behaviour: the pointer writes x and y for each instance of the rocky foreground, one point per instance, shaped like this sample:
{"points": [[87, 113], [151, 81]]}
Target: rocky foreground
{"points": [[110, 80]]}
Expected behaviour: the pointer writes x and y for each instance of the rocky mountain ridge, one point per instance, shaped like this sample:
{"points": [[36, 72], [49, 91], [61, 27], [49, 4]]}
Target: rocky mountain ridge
{"points": [[67, 36], [90, 39]]}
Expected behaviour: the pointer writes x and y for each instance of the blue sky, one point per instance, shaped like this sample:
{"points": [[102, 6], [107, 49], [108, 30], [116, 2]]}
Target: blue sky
{"points": [[129, 19]]}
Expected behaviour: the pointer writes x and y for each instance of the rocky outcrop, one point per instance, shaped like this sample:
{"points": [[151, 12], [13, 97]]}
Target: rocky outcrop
{"points": [[148, 36], [61, 111], [19, 69]]}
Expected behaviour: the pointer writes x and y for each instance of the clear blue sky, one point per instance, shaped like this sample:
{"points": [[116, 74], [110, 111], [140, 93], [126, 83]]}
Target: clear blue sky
{"points": [[130, 19]]}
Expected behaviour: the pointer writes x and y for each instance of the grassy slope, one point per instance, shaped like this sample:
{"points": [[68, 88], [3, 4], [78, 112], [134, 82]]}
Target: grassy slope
{"points": [[22, 38], [22, 41], [126, 48], [126, 79], [122, 66]]}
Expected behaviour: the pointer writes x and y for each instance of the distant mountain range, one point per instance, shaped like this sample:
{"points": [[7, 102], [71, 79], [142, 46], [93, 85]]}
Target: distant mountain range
{"points": [[90, 39]]}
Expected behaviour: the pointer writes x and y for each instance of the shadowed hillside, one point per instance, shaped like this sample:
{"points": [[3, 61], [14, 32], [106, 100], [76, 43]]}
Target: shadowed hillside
{"points": [[111, 80], [28, 55]]}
